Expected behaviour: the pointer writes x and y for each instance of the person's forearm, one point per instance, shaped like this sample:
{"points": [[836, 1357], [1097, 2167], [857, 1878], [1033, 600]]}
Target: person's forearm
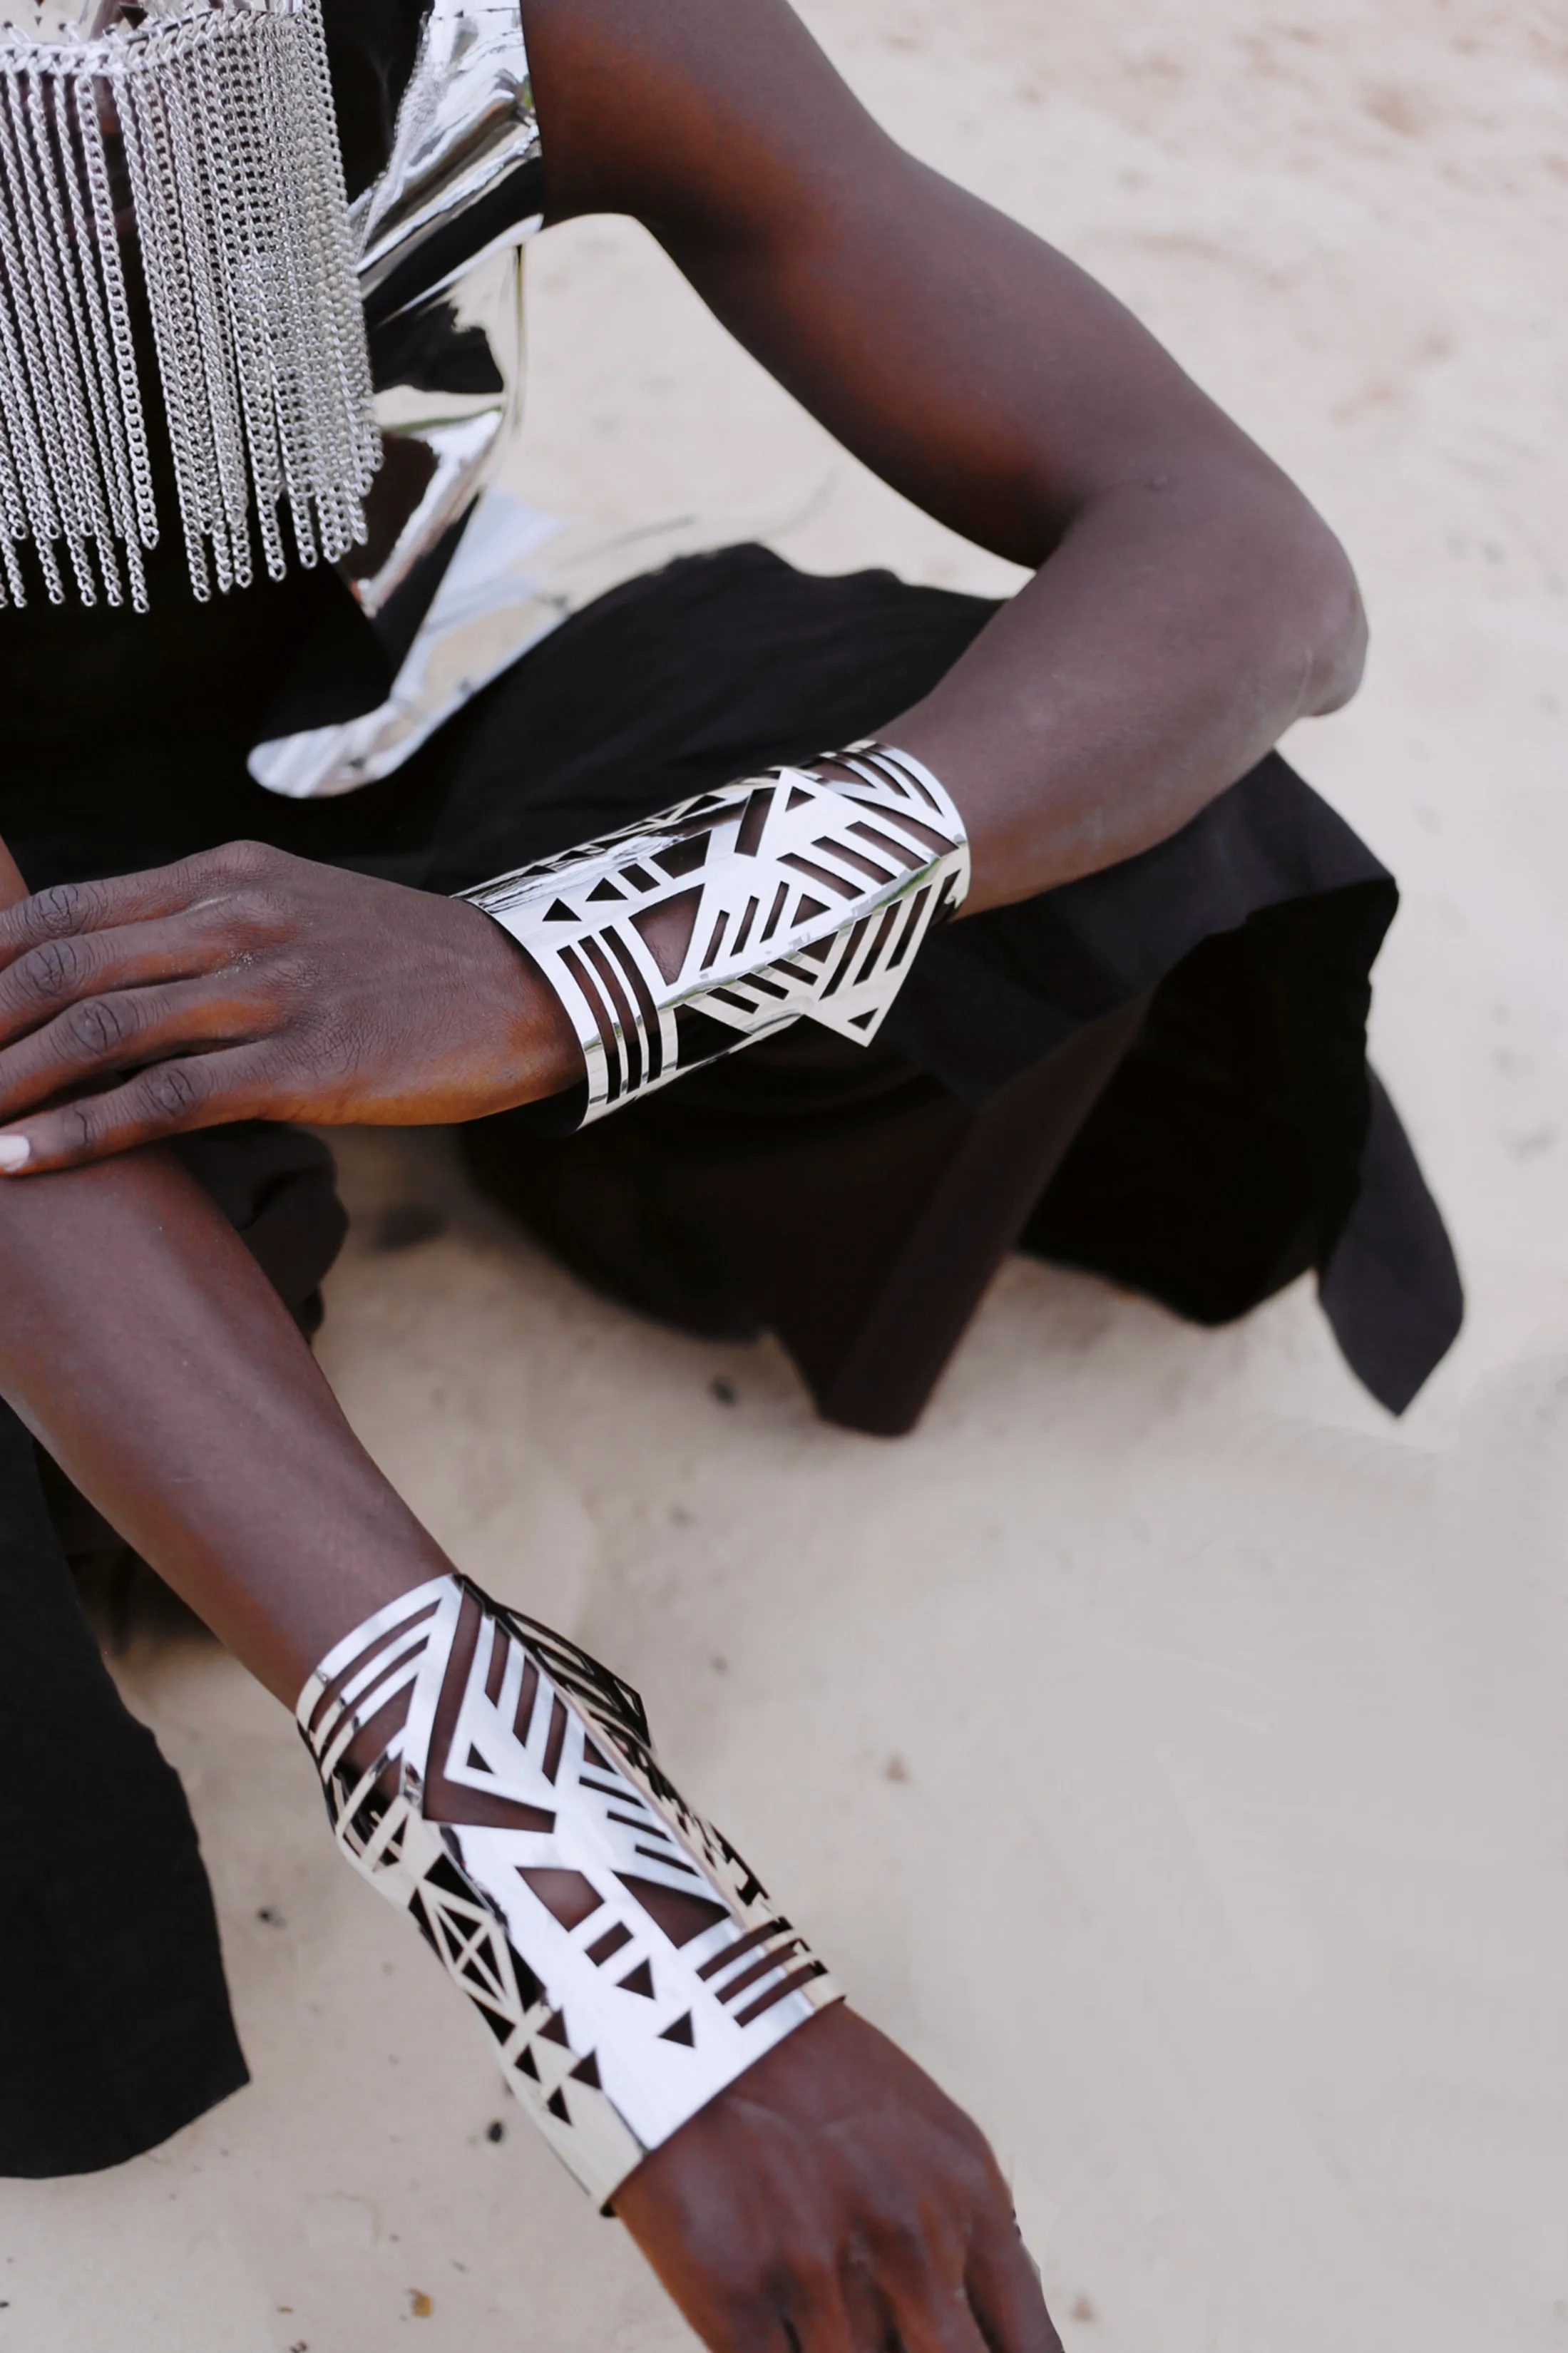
{"points": [[142, 1345], [1190, 603], [1182, 625]]}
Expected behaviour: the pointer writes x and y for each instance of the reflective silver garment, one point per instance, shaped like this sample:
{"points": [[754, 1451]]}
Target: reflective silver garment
{"points": [[780, 898], [447, 575], [625, 1962]]}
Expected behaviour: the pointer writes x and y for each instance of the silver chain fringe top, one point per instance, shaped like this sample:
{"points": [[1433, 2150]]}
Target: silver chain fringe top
{"points": [[216, 121], [182, 274]]}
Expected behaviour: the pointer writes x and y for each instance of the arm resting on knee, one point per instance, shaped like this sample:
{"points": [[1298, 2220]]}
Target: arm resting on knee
{"points": [[146, 1351]]}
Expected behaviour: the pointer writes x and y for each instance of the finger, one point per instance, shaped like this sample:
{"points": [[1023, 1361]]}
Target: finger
{"points": [[904, 2285], [1006, 2295], [62, 972], [73, 910], [754, 2326], [819, 2322], [105, 1034], [70, 910], [169, 1099], [931, 2315]]}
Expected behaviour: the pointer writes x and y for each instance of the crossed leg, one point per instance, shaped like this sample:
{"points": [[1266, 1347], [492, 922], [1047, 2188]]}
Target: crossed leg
{"points": [[144, 1347]]}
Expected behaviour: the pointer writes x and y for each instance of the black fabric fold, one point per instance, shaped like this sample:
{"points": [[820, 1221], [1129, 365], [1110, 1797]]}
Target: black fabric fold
{"points": [[114, 2019]]}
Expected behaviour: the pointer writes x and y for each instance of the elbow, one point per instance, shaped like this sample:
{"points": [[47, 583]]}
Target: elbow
{"points": [[1306, 618], [1273, 594], [1329, 622], [1291, 596]]}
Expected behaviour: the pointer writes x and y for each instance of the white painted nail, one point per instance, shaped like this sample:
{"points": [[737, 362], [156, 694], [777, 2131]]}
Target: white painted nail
{"points": [[14, 1152]]}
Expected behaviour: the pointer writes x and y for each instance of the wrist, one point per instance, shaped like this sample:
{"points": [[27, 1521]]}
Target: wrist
{"points": [[534, 1048], [736, 912], [498, 1784], [551, 1056]]}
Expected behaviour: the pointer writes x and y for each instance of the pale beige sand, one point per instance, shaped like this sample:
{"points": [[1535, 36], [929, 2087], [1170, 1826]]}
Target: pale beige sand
{"points": [[1168, 1748]]}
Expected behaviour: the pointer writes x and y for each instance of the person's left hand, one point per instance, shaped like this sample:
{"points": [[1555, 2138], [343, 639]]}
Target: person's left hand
{"points": [[833, 2199], [245, 984]]}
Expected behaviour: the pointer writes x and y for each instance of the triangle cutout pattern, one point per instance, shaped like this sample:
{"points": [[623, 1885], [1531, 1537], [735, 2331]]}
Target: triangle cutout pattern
{"points": [[778, 897], [624, 1961]]}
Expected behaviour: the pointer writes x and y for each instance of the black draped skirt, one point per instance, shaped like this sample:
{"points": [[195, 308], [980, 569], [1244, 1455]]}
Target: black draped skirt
{"points": [[1157, 1073]]}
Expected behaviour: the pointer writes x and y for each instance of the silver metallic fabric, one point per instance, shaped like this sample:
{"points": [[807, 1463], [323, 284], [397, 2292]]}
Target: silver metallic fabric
{"points": [[439, 236], [623, 1959], [740, 911], [217, 122]]}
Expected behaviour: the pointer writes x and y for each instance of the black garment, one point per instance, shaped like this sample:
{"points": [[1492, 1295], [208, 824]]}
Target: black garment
{"points": [[830, 1193], [1157, 1072], [1256, 927]]}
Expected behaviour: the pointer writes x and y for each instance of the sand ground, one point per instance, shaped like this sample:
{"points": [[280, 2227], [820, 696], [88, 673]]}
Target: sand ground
{"points": [[1232, 1711]]}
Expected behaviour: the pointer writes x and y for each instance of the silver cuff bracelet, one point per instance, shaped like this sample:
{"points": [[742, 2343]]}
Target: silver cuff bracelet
{"points": [[627, 1962], [735, 913]]}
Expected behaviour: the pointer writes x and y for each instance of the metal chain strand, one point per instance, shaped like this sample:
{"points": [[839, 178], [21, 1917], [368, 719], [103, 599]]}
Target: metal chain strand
{"points": [[213, 370], [239, 212], [354, 409], [237, 101], [29, 435], [107, 421], [173, 326], [53, 454], [100, 482], [106, 244], [290, 336], [13, 515], [75, 490]]}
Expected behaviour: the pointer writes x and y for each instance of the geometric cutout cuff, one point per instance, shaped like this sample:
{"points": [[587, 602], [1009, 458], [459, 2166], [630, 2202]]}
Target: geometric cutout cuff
{"points": [[498, 1784], [737, 912]]}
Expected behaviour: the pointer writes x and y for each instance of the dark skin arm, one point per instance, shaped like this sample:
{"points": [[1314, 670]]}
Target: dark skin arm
{"points": [[1188, 605], [1188, 608], [834, 2188]]}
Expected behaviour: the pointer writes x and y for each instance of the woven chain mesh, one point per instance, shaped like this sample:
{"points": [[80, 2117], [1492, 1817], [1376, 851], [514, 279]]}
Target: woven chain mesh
{"points": [[212, 129]]}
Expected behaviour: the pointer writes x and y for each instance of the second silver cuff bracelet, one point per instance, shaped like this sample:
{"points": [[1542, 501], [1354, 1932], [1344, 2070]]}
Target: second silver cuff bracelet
{"points": [[740, 911], [627, 1962]]}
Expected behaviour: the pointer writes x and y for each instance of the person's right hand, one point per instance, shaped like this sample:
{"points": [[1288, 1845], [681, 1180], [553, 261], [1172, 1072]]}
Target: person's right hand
{"points": [[832, 2199], [247, 983]]}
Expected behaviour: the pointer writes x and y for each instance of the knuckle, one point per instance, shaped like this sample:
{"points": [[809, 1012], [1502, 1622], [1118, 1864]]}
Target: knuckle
{"points": [[748, 2321], [51, 971], [746, 2293], [262, 911], [789, 2286], [902, 2234], [60, 907], [64, 907], [253, 918], [97, 1028], [293, 978], [172, 1091], [245, 861], [84, 1122]]}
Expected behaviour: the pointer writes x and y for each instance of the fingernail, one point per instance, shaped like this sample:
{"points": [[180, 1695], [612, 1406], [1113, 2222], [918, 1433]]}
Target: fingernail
{"points": [[15, 1153]]}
